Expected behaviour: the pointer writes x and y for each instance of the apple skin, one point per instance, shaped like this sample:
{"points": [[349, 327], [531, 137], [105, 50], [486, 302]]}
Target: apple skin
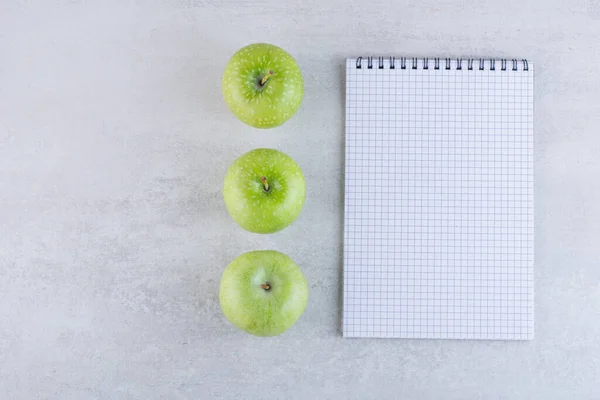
{"points": [[254, 308], [272, 103], [255, 209]]}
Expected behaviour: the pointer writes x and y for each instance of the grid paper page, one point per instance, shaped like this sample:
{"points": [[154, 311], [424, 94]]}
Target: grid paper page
{"points": [[438, 239]]}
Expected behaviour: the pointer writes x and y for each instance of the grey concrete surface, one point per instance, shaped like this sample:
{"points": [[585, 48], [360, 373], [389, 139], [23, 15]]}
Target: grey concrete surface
{"points": [[114, 140]]}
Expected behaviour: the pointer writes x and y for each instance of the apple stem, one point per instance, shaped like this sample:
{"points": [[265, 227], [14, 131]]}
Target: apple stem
{"points": [[266, 286], [263, 179], [266, 77]]}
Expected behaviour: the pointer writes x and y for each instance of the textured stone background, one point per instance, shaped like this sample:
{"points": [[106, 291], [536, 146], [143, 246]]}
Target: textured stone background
{"points": [[114, 140]]}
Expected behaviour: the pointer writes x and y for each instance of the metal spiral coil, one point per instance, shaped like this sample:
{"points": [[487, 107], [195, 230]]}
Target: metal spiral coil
{"points": [[482, 63]]}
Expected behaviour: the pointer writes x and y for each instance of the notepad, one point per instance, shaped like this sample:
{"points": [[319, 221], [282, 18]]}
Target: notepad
{"points": [[438, 235]]}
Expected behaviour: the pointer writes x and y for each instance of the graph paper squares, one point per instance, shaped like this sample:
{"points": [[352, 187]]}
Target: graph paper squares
{"points": [[438, 239]]}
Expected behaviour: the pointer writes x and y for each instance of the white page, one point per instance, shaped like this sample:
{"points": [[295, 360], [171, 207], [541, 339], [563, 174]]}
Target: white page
{"points": [[439, 201]]}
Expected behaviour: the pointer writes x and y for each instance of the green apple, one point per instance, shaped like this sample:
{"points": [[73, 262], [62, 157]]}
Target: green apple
{"points": [[262, 85], [264, 190], [263, 292]]}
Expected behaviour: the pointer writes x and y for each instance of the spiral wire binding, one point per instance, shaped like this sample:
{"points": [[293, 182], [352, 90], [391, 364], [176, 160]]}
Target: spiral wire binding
{"points": [[414, 63]]}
